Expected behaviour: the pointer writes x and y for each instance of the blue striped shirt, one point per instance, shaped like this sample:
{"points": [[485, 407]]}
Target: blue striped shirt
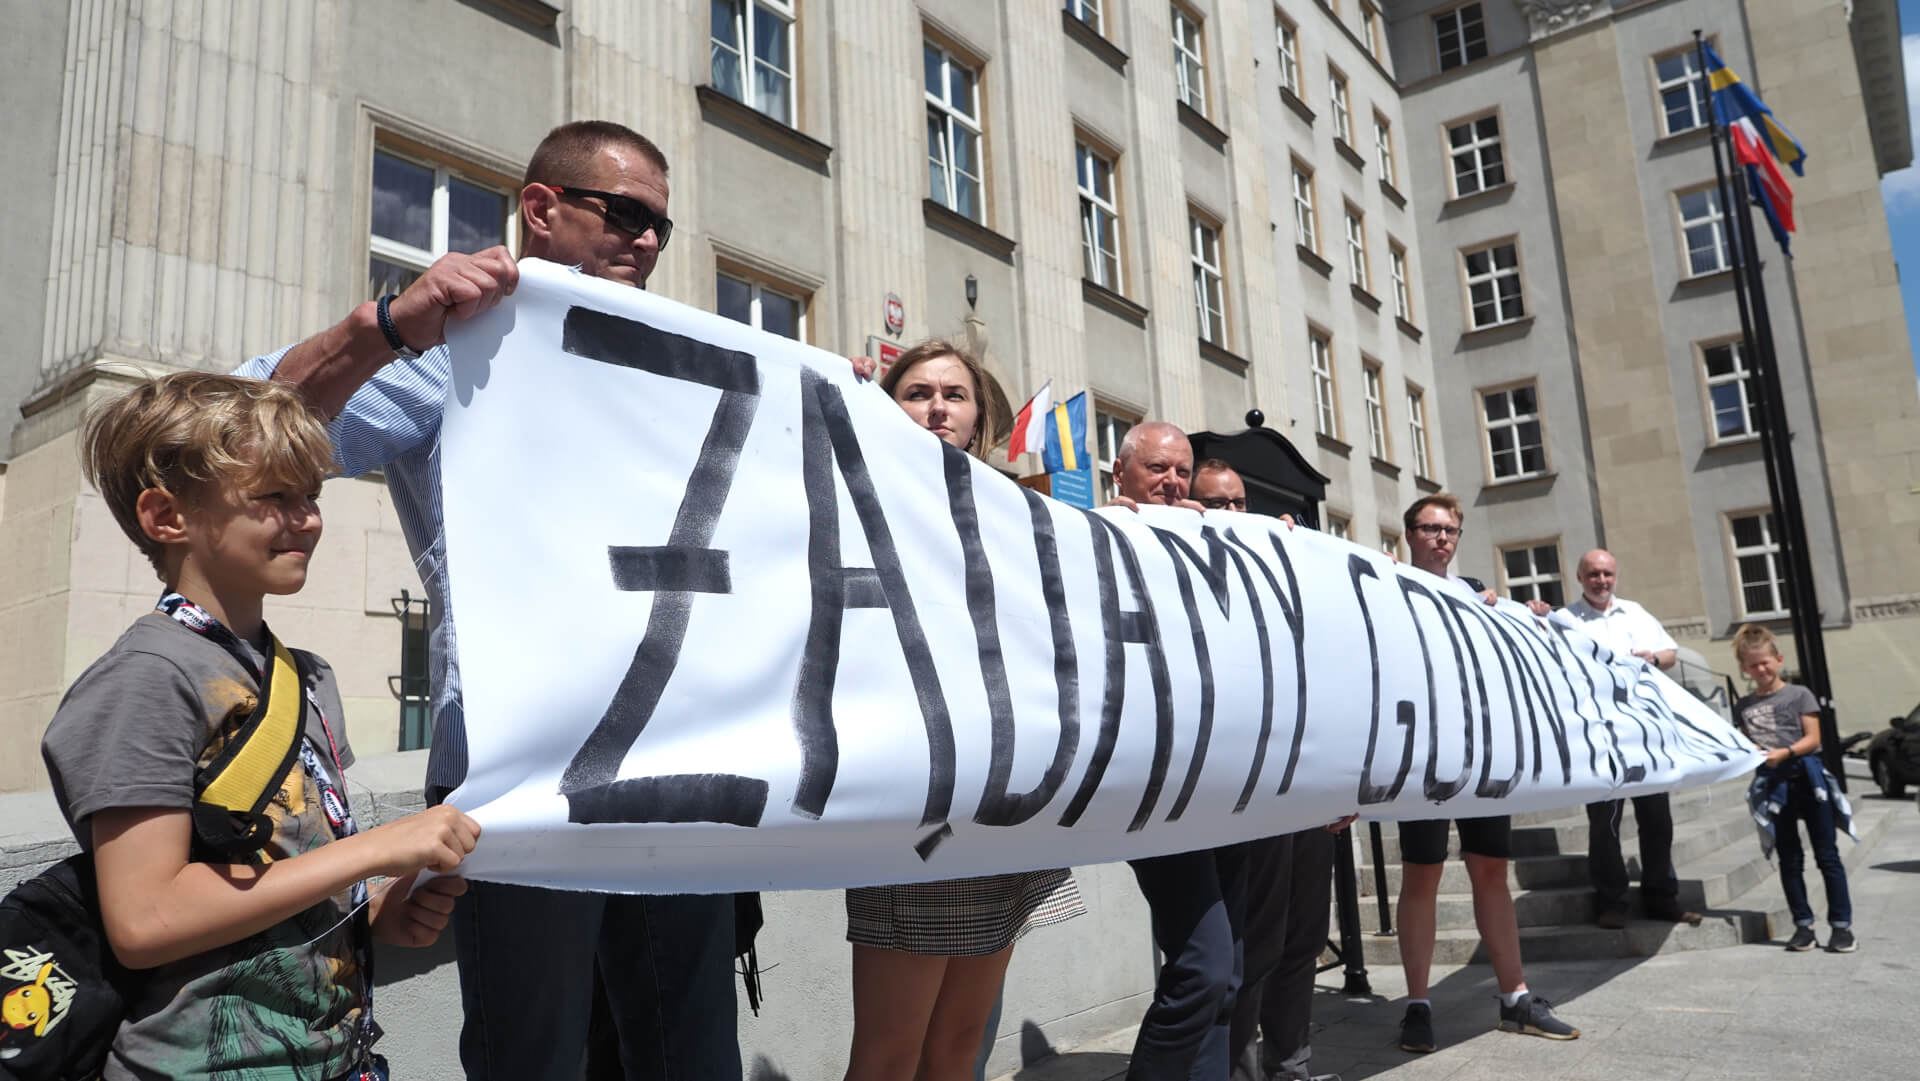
{"points": [[393, 422]]}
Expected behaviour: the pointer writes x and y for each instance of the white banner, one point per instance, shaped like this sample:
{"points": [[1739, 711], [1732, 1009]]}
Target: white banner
{"points": [[729, 620]]}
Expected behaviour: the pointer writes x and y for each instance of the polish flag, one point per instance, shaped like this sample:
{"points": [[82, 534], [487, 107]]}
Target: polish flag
{"points": [[1029, 427]]}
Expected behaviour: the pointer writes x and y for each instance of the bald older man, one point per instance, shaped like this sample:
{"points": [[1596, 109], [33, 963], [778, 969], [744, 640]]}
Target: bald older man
{"points": [[1629, 631], [1197, 899]]}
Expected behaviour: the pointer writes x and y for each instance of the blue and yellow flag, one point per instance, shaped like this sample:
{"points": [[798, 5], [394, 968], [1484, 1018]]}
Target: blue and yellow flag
{"points": [[1066, 436], [1734, 101]]}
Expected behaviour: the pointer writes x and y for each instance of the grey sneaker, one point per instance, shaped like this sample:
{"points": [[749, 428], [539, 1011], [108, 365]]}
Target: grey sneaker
{"points": [[1802, 940], [1841, 941], [1533, 1016], [1416, 1028]]}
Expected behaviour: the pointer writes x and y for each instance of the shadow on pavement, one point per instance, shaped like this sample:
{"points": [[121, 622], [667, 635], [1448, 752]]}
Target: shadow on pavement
{"points": [[1078, 1066], [1904, 867]]}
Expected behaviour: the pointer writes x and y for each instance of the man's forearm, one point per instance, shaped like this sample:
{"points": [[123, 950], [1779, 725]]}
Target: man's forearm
{"points": [[339, 360]]}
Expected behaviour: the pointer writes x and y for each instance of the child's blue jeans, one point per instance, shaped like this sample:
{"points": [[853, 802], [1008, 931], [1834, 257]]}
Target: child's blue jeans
{"points": [[1804, 806]]}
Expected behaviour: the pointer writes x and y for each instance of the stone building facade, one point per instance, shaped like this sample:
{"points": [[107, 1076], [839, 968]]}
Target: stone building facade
{"points": [[1584, 321]]}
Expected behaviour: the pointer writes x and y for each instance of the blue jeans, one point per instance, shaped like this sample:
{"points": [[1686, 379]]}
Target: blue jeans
{"points": [[1803, 806], [1198, 903], [526, 960]]}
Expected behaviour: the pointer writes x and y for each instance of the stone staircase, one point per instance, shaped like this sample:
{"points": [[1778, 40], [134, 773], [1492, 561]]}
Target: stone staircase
{"points": [[1715, 851]]}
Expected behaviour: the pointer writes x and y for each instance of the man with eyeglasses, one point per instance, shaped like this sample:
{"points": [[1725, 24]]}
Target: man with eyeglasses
{"points": [[1433, 526], [1217, 486], [594, 197]]}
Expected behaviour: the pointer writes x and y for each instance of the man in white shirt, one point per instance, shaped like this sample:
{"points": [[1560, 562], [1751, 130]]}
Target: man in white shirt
{"points": [[1629, 631]]}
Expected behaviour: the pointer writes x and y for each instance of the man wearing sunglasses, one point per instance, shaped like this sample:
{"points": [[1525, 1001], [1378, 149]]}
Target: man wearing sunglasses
{"points": [[595, 197]]}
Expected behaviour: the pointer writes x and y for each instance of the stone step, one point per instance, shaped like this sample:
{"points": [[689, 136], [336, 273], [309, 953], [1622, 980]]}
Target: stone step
{"points": [[1549, 857], [1738, 892]]}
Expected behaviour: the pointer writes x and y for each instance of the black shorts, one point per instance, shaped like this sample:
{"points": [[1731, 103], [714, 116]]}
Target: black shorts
{"points": [[1426, 842]]}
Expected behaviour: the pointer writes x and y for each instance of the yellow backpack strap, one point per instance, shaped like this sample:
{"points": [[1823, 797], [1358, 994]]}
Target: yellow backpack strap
{"points": [[233, 790]]}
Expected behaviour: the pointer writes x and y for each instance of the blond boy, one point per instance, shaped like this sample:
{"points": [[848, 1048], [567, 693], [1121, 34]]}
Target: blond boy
{"points": [[1794, 787], [255, 967]]}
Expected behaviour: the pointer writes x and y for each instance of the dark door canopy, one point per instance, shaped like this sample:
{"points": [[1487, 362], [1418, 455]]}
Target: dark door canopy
{"points": [[1279, 478]]}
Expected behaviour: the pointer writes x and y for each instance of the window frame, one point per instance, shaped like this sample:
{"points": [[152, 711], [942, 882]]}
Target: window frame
{"points": [[1212, 316], [1340, 525], [1749, 407], [1457, 14], [759, 286], [1092, 206], [1326, 385], [1493, 277], [1477, 147], [1339, 104], [1370, 29], [1286, 43], [1698, 103], [1358, 272], [1402, 284], [1189, 63], [1383, 155], [1715, 220], [446, 169], [1373, 383], [1770, 549], [1106, 440], [1390, 544], [949, 116], [1417, 431], [1511, 586], [1514, 419], [785, 11], [1080, 9], [1306, 211]]}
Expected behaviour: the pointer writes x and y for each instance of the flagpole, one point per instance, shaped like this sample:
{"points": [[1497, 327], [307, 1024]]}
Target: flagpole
{"points": [[1776, 437]]}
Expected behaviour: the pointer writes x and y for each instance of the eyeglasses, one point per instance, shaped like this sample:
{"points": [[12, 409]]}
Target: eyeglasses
{"points": [[1436, 530], [628, 214], [1221, 502]]}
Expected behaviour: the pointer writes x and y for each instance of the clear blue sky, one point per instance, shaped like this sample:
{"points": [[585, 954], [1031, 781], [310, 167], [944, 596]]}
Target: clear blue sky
{"points": [[1901, 190]]}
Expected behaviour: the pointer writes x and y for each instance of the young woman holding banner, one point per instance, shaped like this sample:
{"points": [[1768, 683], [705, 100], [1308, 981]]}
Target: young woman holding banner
{"points": [[928, 958]]}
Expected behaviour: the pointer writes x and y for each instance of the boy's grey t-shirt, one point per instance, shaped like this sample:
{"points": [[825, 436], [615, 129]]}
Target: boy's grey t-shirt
{"points": [[1772, 721], [131, 732]]}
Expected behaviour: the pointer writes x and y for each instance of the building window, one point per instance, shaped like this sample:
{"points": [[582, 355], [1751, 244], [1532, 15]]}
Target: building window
{"points": [[1460, 35], [1390, 544], [1383, 149], [1339, 526], [1370, 29], [953, 133], [1533, 574], [1110, 427], [1478, 163], [753, 54], [1288, 40], [421, 212], [1088, 11], [1493, 285], [1683, 92], [1417, 431], [1727, 394], [1376, 412], [1208, 297], [1704, 230], [1189, 66], [1099, 220], [1303, 215], [1326, 411], [1342, 116], [744, 299], [1402, 290], [1757, 564], [1511, 420], [1357, 247]]}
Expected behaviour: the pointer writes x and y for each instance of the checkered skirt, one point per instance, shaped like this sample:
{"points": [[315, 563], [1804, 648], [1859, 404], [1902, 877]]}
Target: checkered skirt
{"points": [[967, 917]]}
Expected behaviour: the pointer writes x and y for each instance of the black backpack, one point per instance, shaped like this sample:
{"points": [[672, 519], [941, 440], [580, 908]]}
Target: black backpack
{"points": [[62, 992]]}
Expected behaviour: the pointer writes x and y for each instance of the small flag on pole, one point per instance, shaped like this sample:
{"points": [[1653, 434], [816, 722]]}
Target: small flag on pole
{"points": [[1066, 435], [1029, 427], [1764, 181], [1734, 101]]}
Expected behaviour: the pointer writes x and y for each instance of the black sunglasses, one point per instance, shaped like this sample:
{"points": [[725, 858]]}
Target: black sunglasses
{"points": [[628, 214]]}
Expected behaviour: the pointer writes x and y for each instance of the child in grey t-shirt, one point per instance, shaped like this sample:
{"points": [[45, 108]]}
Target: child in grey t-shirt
{"points": [[1783, 719]]}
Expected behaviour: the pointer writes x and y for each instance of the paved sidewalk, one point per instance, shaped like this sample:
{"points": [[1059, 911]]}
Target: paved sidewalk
{"points": [[1742, 1012]]}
